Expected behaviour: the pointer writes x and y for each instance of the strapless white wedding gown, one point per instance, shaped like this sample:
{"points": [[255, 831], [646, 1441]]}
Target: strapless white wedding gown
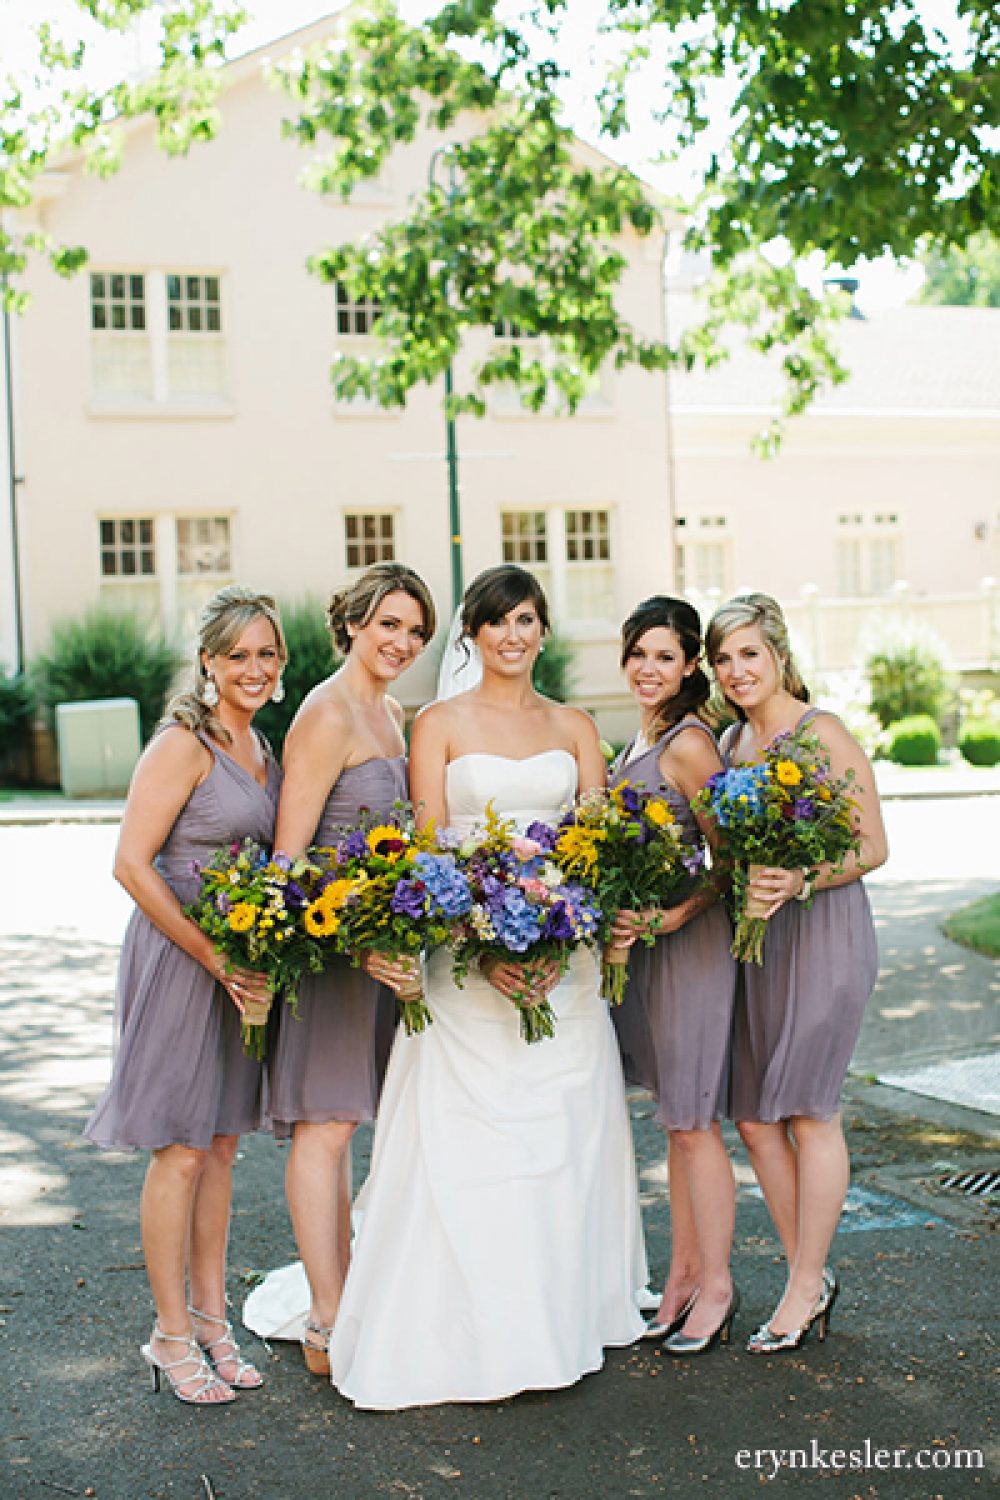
{"points": [[499, 1245]]}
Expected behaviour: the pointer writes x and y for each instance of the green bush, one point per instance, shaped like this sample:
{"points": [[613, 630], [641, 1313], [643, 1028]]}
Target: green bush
{"points": [[107, 654], [553, 672], [17, 710], [907, 675], [979, 742], [311, 657], [915, 741]]}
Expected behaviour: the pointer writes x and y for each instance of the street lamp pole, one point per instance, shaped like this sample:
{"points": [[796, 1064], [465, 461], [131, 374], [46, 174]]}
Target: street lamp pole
{"points": [[15, 547], [451, 443]]}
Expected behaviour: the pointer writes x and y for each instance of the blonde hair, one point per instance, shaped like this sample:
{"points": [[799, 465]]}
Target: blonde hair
{"points": [[223, 620], [764, 612], [357, 604]]}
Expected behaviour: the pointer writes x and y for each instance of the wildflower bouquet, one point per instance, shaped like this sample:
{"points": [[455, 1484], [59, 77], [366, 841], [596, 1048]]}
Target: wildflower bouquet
{"points": [[787, 810], [521, 906], [627, 846], [251, 905], [388, 888]]}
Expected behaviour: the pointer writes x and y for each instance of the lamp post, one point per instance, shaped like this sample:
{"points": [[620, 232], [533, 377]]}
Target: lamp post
{"points": [[451, 444], [15, 550]]}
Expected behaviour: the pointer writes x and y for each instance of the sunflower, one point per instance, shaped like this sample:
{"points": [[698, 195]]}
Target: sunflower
{"points": [[386, 842], [338, 892], [788, 773], [242, 917], [659, 813], [320, 919]]}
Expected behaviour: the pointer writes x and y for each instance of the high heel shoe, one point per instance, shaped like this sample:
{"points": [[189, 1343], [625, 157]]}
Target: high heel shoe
{"points": [[682, 1346], [247, 1377], [766, 1341], [316, 1355], [656, 1331], [208, 1387]]}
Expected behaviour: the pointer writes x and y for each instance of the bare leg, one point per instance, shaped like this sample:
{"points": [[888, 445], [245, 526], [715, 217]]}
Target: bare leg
{"points": [[824, 1174], [775, 1164], [165, 1212], [712, 1189], [207, 1264], [315, 1185], [344, 1196], [683, 1277]]}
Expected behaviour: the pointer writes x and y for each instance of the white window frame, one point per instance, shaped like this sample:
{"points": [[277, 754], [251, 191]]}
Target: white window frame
{"points": [[119, 547], [376, 544], [158, 337], [558, 568], [868, 532]]}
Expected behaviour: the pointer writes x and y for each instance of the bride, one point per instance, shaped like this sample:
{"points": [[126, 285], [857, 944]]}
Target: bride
{"points": [[500, 1242]]}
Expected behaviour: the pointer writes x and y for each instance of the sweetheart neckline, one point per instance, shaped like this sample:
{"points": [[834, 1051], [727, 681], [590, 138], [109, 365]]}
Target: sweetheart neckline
{"points": [[514, 760]]}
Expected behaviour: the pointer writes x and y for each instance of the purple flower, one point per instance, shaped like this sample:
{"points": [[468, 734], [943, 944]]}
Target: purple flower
{"points": [[408, 899], [631, 799], [542, 834], [294, 894], [195, 867], [804, 809], [281, 861], [557, 923], [355, 846], [223, 903]]}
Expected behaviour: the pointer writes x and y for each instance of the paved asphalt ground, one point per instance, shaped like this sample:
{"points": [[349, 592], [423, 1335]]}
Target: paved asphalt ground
{"points": [[910, 1365]]}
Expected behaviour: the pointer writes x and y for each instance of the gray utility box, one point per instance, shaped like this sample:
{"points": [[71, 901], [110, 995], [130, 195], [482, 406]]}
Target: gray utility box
{"points": [[98, 746]]}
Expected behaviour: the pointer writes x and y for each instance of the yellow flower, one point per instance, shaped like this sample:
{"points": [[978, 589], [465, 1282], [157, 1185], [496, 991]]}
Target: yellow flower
{"points": [[387, 842], [320, 920], [659, 814], [788, 773], [337, 892], [577, 848], [242, 917]]}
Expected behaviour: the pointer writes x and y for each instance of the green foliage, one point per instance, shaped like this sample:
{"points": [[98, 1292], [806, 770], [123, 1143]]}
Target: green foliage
{"points": [[979, 742], [907, 675], [915, 741], [311, 657], [553, 672], [963, 275], [107, 655], [17, 710], [977, 926]]}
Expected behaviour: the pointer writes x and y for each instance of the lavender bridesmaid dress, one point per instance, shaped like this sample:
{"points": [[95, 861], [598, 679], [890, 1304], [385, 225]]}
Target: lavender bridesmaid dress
{"points": [[180, 1076], [675, 1023], [799, 1012], [329, 1060]]}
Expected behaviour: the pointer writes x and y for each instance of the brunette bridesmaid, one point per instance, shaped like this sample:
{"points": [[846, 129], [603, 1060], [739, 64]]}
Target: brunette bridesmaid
{"points": [[181, 1086], [675, 1022], [800, 1012], [344, 754]]}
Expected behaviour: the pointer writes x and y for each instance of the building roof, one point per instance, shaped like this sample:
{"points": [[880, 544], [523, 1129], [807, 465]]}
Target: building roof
{"points": [[910, 360]]}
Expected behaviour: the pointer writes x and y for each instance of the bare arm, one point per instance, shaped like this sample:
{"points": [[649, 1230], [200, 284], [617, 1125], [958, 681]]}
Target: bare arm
{"points": [[316, 751], [428, 764], [592, 771]]}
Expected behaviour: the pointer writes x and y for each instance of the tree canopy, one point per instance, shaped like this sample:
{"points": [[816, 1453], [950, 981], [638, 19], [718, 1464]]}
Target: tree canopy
{"points": [[837, 129], [964, 275]]}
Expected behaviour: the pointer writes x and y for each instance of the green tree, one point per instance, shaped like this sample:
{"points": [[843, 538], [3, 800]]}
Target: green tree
{"points": [[964, 275]]}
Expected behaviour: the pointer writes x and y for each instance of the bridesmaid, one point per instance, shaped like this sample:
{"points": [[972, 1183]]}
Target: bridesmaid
{"points": [[801, 1009], [345, 752], [675, 1023], [181, 1086]]}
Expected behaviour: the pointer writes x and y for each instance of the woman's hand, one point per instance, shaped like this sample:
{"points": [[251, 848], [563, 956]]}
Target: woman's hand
{"points": [[527, 981], [397, 974], [243, 986], [768, 889], [652, 921]]}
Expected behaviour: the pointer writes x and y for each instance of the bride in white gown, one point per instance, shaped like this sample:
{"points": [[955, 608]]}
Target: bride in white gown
{"points": [[499, 1246]]}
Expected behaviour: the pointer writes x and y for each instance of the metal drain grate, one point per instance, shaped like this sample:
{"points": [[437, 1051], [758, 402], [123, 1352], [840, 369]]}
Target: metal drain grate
{"points": [[973, 1184]]}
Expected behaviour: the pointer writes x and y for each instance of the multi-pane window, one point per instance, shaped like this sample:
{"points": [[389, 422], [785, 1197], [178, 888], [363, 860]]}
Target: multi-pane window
{"points": [[524, 537], [127, 548], [369, 537], [117, 302], [355, 315], [506, 328], [203, 545], [588, 536], [193, 304], [866, 554], [703, 555]]}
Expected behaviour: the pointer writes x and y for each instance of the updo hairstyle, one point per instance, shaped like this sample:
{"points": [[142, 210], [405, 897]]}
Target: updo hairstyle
{"points": [[764, 612], [663, 612], [221, 623], [357, 604]]}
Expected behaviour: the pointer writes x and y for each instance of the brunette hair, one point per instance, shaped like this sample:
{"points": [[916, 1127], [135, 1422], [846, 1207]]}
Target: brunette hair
{"points": [[663, 612], [764, 612], [221, 623], [356, 604], [496, 592]]}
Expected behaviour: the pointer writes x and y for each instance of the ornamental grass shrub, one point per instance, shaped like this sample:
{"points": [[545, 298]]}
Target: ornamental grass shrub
{"points": [[17, 712], [311, 657], [106, 654], [979, 742], [914, 741], [907, 674], [554, 668]]}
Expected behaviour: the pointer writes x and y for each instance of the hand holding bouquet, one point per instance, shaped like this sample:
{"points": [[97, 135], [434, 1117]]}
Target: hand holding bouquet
{"points": [[251, 905], [788, 810], [388, 889], [522, 911], [628, 847]]}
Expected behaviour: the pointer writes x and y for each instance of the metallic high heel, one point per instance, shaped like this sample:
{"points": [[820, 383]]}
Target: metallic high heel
{"points": [[247, 1377], [317, 1356], [682, 1346], [208, 1386], [765, 1341], [654, 1331]]}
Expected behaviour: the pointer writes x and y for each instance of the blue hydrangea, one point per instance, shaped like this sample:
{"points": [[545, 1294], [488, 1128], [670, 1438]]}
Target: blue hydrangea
{"points": [[446, 887]]}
